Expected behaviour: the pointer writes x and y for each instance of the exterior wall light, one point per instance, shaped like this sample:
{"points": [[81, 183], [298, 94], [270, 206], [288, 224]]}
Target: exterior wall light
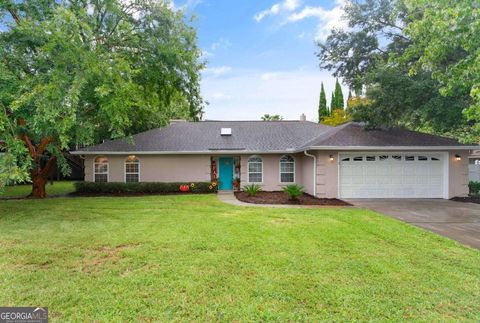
{"points": [[331, 157], [458, 157]]}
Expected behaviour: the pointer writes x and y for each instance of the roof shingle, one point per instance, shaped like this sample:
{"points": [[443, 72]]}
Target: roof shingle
{"points": [[266, 136]]}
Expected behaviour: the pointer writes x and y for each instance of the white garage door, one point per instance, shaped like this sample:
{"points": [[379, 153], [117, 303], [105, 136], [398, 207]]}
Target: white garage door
{"points": [[391, 175]]}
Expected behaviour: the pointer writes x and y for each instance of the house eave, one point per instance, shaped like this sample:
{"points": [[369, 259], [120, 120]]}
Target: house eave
{"points": [[201, 152], [392, 148], [286, 151]]}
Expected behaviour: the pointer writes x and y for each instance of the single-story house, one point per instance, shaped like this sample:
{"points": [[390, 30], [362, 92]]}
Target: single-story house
{"points": [[329, 162], [474, 166]]}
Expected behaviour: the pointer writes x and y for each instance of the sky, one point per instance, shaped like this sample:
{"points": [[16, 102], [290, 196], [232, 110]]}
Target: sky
{"points": [[261, 56]]}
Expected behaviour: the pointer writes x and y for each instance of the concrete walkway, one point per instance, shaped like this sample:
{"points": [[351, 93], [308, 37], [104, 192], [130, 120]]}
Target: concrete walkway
{"points": [[455, 220], [229, 198]]}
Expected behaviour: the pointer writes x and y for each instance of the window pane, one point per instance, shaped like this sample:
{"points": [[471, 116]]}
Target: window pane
{"points": [[131, 168], [255, 177], [101, 168], [422, 158], [131, 178], [255, 159], [370, 158], [286, 159], [286, 177], [409, 158], [286, 167], [255, 167], [99, 178]]}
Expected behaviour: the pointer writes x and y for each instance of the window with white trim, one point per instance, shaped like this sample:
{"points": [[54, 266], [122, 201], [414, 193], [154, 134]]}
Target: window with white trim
{"points": [[132, 169], [255, 169], [100, 169], [287, 169]]}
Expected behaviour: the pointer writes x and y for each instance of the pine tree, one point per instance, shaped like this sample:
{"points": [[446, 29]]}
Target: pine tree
{"points": [[332, 103], [322, 105], [338, 96]]}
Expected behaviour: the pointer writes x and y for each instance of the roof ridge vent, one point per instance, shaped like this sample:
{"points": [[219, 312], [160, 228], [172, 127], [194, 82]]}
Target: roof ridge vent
{"points": [[226, 132]]}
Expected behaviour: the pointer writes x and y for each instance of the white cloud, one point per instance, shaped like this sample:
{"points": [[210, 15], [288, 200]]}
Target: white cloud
{"points": [[327, 19], [246, 95], [286, 5], [268, 76], [218, 96], [221, 43], [206, 53], [217, 71]]}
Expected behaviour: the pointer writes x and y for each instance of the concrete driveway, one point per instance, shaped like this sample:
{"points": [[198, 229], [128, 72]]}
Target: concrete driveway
{"points": [[455, 220]]}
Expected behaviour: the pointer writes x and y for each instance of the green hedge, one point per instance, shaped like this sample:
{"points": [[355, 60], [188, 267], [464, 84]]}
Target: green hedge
{"points": [[474, 187], [144, 187]]}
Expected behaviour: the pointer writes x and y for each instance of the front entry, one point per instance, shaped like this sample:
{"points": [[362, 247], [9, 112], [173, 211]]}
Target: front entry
{"points": [[225, 165]]}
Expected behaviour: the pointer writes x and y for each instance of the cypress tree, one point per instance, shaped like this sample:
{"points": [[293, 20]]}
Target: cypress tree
{"points": [[338, 96], [332, 103], [349, 98], [322, 105]]}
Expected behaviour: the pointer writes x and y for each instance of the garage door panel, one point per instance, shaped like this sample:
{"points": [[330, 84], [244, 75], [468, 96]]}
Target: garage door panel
{"points": [[387, 175]]}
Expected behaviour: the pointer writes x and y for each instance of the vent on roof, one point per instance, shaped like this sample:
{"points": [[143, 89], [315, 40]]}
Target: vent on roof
{"points": [[226, 132]]}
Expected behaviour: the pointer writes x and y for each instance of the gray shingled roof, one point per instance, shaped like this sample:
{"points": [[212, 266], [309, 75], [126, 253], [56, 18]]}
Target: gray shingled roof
{"points": [[353, 134], [266, 136], [246, 136]]}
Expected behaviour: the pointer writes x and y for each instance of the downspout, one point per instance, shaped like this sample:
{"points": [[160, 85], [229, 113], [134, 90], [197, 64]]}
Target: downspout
{"points": [[314, 172]]}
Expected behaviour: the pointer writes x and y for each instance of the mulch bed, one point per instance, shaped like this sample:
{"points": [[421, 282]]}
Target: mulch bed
{"points": [[281, 198], [471, 199]]}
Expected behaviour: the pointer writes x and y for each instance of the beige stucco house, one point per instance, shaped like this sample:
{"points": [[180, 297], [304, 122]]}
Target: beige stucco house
{"points": [[347, 161]]}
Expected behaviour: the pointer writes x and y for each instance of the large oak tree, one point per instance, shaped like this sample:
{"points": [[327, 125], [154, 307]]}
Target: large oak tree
{"points": [[375, 55], [73, 72]]}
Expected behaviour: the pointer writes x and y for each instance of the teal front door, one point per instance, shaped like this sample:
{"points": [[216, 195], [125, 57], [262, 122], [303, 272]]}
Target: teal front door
{"points": [[225, 173]]}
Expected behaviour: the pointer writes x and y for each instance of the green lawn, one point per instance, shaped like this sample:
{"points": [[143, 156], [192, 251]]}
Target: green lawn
{"points": [[58, 188], [162, 258]]}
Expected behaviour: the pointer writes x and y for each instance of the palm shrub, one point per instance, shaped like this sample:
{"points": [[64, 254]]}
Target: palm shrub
{"points": [[293, 191], [252, 189]]}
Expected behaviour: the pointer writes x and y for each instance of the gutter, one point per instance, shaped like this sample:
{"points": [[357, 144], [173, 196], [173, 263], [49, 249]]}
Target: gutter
{"points": [[287, 151], [314, 172]]}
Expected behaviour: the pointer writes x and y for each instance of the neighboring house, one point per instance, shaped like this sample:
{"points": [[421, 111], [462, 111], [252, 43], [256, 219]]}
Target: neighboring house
{"points": [[342, 162], [474, 166]]}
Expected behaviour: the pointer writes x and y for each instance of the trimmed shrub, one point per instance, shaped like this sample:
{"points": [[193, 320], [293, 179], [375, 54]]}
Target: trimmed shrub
{"points": [[143, 187], [293, 191], [474, 188], [252, 189]]}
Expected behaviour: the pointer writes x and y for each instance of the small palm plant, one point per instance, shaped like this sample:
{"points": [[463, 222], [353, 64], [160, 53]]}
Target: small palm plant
{"points": [[293, 191], [252, 189]]}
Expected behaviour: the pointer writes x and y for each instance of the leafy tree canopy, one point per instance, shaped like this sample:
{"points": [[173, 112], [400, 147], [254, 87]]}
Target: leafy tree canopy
{"points": [[337, 117], [74, 72], [445, 42], [272, 117], [379, 56]]}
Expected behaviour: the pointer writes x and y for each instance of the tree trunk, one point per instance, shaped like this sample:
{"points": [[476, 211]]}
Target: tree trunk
{"points": [[39, 178], [38, 185], [39, 175]]}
